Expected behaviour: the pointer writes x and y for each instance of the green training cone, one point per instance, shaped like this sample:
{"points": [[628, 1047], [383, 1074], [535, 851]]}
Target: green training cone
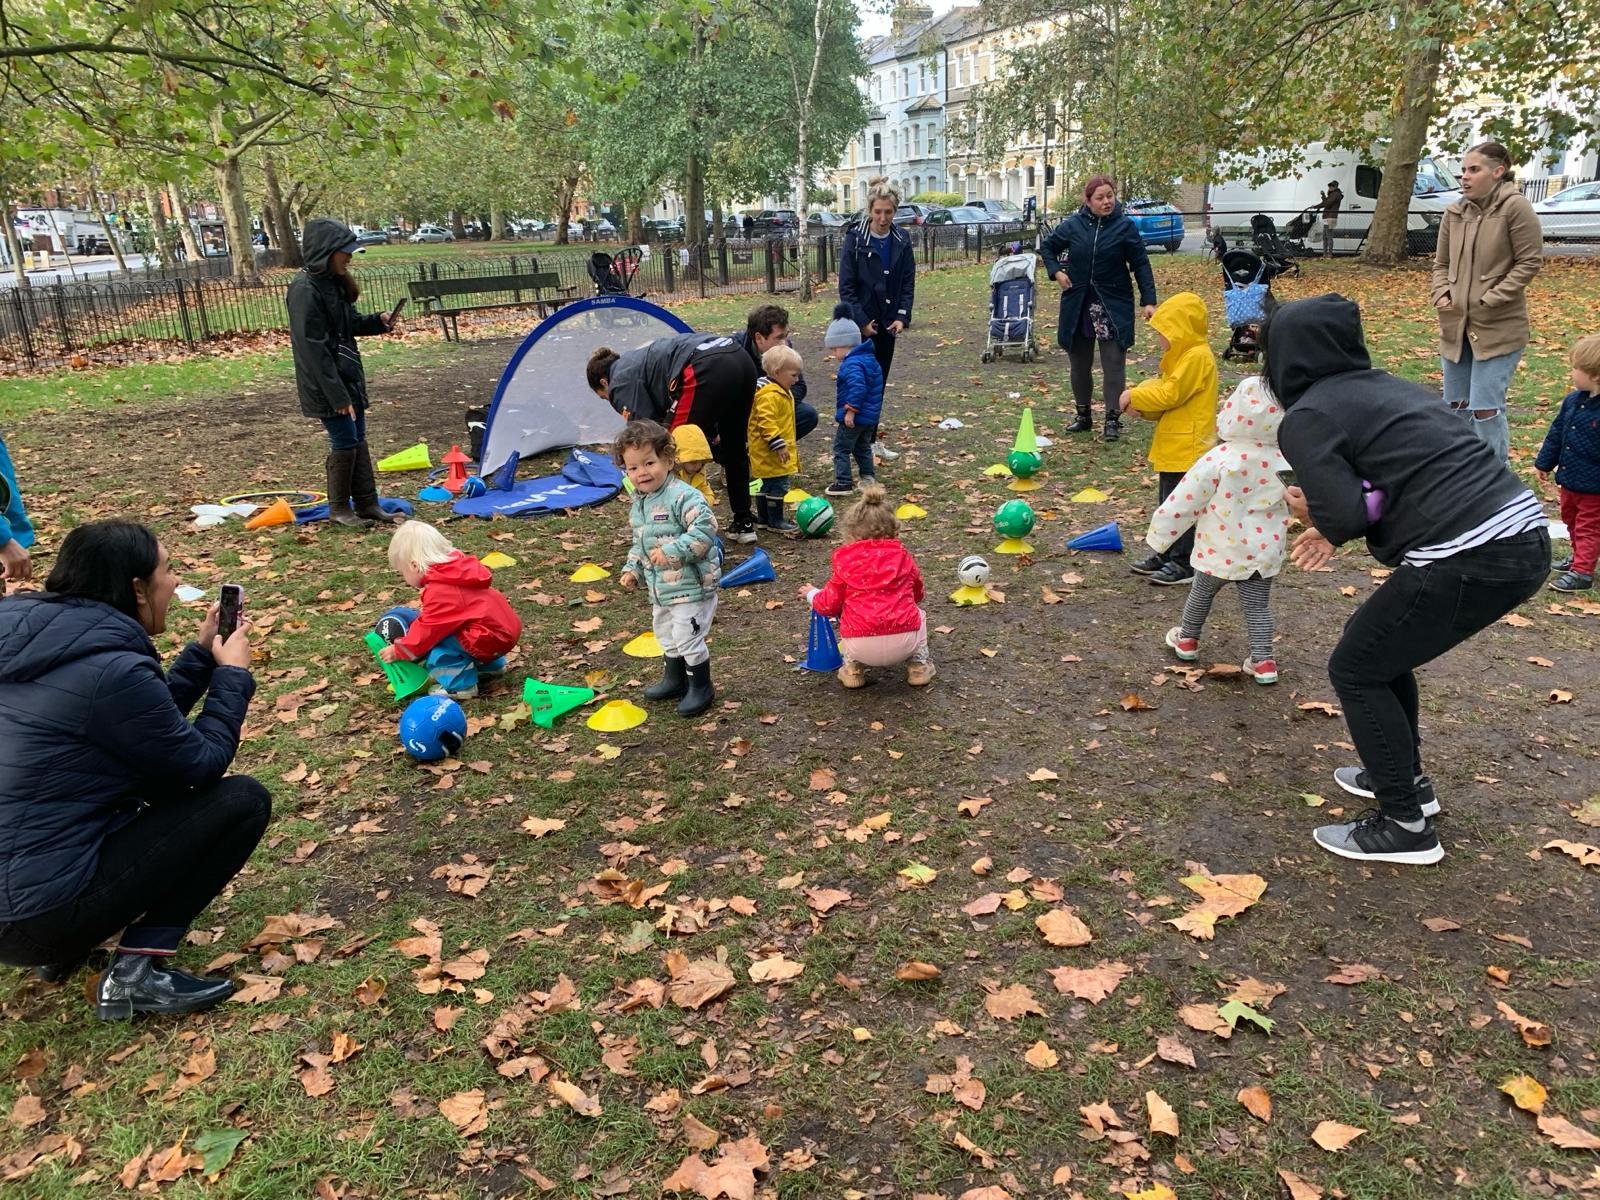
{"points": [[413, 458], [1026, 442], [405, 677], [550, 700]]}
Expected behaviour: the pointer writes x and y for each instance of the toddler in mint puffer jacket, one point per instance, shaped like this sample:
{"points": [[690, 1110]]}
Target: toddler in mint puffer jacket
{"points": [[674, 553]]}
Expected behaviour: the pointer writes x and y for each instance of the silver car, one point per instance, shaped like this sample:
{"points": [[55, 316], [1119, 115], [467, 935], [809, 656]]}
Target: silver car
{"points": [[1572, 214]]}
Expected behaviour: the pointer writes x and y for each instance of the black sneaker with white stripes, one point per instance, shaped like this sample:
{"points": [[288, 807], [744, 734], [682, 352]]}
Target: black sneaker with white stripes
{"points": [[1373, 837], [1357, 782]]}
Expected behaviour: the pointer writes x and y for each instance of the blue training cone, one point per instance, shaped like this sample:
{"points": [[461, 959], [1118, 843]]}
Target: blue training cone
{"points": [[505, 476], [755, 569], [1106, 537], [822, 648]]}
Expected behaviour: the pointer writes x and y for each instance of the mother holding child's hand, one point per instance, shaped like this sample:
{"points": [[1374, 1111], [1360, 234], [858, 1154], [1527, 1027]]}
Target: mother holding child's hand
{"points": [[117, 813]]}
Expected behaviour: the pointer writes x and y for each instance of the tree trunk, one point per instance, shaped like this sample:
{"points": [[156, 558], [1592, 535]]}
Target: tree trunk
{"points": [[802, 205], [160, 233], [636, 224], [180, 214], [458, 227], [694, 200], [1413, 109], [13, 242], [111, 234], [236, 216], [496, 219], [566, 193], [277, 213]]}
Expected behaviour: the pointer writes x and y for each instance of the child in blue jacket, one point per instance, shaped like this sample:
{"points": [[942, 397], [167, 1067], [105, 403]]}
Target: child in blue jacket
{"points": [[1572, 450], [16, 531], [860, 402]]}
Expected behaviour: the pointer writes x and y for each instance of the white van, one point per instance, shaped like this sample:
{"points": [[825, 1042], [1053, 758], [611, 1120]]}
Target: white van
{"points": [[1230, 205]]}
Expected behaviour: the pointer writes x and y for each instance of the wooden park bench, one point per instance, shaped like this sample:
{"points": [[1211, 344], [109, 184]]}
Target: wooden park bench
{"points": [[447, 299]]}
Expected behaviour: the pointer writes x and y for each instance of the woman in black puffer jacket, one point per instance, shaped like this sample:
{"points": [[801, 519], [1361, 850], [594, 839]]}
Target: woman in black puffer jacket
{"points": [[116, 811], [1091, 255]]}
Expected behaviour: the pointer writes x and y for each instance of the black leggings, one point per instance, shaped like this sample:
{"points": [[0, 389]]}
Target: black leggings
{"points": [[1113, 372], [883, 349], [155, 875], [716, 392]]}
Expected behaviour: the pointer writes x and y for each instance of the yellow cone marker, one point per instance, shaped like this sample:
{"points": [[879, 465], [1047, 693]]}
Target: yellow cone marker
{"points": [[1024, 485], [644, 646], [413, 458], [589, 573], [796, 495], [1090, 496], [910, 512], [1014, 546], [494, 560], [968, 594], [999, 471], [616, 715]]}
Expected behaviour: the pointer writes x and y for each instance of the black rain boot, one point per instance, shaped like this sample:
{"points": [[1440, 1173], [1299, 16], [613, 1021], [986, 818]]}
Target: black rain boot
{"points": [[139, 983], [700, 693], [1085, 421], [341, 465], [674, 681], [763, 510], [776, 521], [1113, 427], [364, 489]]}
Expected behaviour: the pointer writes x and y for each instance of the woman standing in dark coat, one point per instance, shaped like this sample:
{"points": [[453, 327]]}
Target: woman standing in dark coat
{"points": [[1091, 255], [323, 328], [878, 273], [116, 811]]}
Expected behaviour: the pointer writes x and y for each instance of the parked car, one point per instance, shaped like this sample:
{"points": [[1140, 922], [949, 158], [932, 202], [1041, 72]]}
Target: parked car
{"points": [[921, 214], [1005, 209], [431, 233], [396, 234], [1158, 224], [824, 218], [775, 220], [372, 237], [1572, 214], [969, 214]]}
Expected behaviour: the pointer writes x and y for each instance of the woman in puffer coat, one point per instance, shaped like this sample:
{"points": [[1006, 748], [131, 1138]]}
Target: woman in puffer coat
{"points": [[1091, 255], [117, 812]]}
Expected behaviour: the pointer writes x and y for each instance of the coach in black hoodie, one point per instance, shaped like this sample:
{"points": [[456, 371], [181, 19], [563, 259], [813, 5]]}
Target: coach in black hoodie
{"points": [[1467, 540]]}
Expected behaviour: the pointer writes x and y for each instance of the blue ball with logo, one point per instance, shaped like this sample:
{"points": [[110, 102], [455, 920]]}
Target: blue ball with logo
{"points": [[393, 624], [433, 727], [473, 486]]}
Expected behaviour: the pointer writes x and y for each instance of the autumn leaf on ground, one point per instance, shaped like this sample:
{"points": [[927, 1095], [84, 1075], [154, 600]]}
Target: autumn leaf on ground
{"points": [[168, 1165], [916, 972], [991, 1192], [573, 1097], [1221, 896], [698, 1134], [824, 900], [1042, 775], [1162, 1117], [1257, 1102], [1526, 1092], [1170, 1049], [1206, 1018], [1567, 1135], [1012, 1002], [27, 1112], [1061, 927], [1534, 1033], [1332, 1136], [1098, 1116], [774, 969], [918, 874], [1588, 813], [1093, 984], [1132, 702], [695, 984], [1586, 854], [1040, 1057], [539, 826], [1299, 1189], [467, 1111], [1350, 974], [1255, 993], [1233, 1012], [257, 989], [733, 1175], [822, 780], [315, 1077], [1156, 1191]]}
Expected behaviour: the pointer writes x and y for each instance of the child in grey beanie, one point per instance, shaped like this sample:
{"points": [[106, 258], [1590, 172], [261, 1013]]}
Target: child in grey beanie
{"points": [[843, 332], [859, 404]]}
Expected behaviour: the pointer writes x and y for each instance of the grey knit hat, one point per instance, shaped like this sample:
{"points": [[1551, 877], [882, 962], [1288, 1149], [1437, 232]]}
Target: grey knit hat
{"points": [[842, 330]]}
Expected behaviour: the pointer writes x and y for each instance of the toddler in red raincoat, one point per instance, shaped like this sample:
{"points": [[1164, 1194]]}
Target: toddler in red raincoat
{"points": [[875, 592], [465, 625]]}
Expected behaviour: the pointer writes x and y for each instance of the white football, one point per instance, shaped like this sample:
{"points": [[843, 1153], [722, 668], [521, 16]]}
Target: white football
{"points": [[973, 571]]}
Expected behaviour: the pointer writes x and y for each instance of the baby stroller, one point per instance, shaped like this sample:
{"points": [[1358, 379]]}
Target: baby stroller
{"points": [[1273, 249], [1248, 300], [613, 275], [1011, 305]]}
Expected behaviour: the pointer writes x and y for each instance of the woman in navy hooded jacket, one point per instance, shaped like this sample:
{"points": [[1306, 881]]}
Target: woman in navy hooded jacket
{"points": [[1091, 255], [878, 273], [116, 811]]}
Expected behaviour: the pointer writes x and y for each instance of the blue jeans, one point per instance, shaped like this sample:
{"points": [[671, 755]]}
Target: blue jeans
{"points": [[451, 667], [854, 440], [344, 433], [776, 488], [1476, 385]]}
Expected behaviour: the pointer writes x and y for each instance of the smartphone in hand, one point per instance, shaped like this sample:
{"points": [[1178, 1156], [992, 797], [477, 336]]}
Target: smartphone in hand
{"points": [[230, 609], [1287, 479], [394, 313]]}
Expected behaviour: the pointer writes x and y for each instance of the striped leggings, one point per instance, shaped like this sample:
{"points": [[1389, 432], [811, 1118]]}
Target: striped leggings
{"points": [[1255, 599]]}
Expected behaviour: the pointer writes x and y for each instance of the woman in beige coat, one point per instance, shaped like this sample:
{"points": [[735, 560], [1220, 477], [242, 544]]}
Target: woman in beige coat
{"points": [[1490, 248]]}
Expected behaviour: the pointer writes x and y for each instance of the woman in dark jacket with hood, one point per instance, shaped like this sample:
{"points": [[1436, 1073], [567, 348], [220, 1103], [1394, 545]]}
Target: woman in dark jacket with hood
{"points": [[878, 273], [116, 811], [1091, 255], [1378, 457], [323, 328]]}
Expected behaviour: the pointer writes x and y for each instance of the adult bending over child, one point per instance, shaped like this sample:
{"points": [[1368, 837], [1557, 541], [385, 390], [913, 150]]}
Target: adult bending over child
{"points": [[116, 811], [1467, 541]]}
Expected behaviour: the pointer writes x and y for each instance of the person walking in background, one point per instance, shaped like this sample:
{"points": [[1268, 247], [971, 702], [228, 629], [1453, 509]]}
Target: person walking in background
{"points": [[878, 273], [1092, 255], [1572, 450], [1490, 247], [328, 372], [1331, 201]]}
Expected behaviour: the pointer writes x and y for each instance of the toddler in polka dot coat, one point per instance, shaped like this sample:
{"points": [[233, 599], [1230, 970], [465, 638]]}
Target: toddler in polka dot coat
{"points": [[1234, 500]]}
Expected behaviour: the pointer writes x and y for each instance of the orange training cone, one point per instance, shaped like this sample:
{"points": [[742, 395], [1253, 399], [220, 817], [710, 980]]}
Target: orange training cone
{"points": [[276, 513]]}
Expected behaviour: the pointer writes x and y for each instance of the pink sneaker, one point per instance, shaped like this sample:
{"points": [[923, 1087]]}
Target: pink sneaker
{"points": [[1188, 649], [1265, 671]]}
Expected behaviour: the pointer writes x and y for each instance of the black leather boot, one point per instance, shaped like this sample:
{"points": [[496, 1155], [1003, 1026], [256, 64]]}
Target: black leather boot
{"points": [[1085, 421], [341, 465], [763, 510], [57, 972], [674, 681], [140, 983], [700, 694], [364, 489], [1113, 428]]}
